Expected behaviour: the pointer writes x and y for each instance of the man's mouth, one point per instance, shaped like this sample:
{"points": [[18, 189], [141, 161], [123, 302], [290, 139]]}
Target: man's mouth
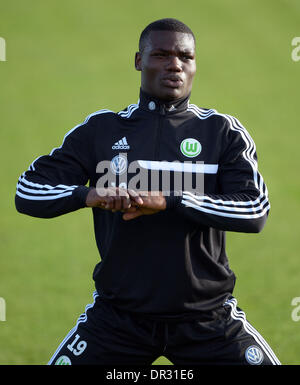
{"points": [[172, 81]]}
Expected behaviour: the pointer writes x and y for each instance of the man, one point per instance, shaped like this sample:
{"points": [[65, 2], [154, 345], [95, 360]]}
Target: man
{"points": [[164, 285]]}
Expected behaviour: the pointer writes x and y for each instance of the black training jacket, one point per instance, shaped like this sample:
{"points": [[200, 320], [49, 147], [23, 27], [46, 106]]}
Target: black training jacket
{"points": [[173, 263]]}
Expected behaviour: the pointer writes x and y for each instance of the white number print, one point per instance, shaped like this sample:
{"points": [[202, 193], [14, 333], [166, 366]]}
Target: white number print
{"points": [[79, 348]]}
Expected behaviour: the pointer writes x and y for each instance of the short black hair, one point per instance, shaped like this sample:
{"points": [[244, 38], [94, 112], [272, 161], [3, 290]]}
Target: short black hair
{"points": [[167, 24]]}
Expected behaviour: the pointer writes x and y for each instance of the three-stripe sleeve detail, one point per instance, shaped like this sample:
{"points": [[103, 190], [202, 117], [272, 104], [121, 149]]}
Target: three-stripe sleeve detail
{"points": [[37, 191], [248, 209]]}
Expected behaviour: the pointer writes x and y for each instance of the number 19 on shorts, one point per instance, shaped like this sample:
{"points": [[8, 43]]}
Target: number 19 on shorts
{"points": [[77, 347]]}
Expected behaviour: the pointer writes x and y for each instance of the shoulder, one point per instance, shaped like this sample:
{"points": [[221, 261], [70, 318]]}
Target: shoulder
{"points": [[96, 119], [88, 125], [225, 121], [128, 111], [210, 115], [106, 114], [98, 116]]}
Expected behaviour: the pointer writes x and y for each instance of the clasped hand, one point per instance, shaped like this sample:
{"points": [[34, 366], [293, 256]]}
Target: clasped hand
{"points": [[132, 203]]}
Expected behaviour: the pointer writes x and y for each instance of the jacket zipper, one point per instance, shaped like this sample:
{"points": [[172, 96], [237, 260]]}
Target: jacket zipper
{"points": [[158, 132]]}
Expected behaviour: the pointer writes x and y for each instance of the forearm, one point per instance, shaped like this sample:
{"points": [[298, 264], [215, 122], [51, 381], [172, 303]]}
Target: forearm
{"points": [[243, 212], [40, 202]]}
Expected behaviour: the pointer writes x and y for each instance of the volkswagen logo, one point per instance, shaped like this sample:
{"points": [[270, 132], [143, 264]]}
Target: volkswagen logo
{"points": [[119, 164], [254, 355]]}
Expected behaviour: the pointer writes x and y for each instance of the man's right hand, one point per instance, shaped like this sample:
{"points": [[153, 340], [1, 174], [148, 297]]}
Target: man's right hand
{"points": [[113, 198]]}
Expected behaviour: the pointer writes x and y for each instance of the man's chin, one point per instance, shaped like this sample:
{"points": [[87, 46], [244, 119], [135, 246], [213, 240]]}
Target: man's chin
{"points": [[169, 94]]}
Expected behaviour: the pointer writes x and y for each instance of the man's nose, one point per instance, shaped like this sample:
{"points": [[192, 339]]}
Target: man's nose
{"points": [[174, 64]]}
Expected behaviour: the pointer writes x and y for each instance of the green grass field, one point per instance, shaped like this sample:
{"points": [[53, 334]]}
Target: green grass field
{"points": [[66, 59]]}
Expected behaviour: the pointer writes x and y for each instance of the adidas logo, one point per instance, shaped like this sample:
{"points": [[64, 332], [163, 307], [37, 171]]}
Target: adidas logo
{"points": [[172, 108], [121, 144]]}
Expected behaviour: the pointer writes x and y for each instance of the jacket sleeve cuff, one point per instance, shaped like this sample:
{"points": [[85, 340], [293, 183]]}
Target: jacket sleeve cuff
{"points": [[80, 194], [173, 200]]}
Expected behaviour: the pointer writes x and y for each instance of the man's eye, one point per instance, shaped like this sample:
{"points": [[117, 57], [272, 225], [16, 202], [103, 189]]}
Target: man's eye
{"points": [[187, 57], [159, 54]]}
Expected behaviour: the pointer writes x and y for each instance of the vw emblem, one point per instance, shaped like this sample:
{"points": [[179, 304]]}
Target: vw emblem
{"points": [[118, 164], [254, 355]]}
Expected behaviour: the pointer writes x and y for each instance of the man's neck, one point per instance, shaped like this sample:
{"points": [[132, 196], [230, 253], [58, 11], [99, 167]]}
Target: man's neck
{"points": [[152, 103]]}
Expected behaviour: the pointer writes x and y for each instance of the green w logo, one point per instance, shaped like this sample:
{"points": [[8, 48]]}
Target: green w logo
{"points": [[190, 147], [63, 360]]}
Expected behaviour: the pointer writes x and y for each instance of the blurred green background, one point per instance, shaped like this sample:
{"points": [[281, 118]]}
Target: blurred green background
{"points": [[68, 58]]}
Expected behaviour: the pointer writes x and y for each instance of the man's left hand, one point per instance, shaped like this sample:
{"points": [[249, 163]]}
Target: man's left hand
{"points": [[153, 202]]}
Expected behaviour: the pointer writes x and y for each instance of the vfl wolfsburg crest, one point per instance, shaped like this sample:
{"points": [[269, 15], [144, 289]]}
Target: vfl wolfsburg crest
{"points": [[63, 360], [190, 147]]}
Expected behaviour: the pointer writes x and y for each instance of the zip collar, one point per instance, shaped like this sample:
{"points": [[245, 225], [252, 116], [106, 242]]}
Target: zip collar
{"points": [[158, 106]]}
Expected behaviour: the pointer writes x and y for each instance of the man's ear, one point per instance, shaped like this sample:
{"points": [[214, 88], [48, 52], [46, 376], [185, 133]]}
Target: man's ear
{"points": [[138, 61]]}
